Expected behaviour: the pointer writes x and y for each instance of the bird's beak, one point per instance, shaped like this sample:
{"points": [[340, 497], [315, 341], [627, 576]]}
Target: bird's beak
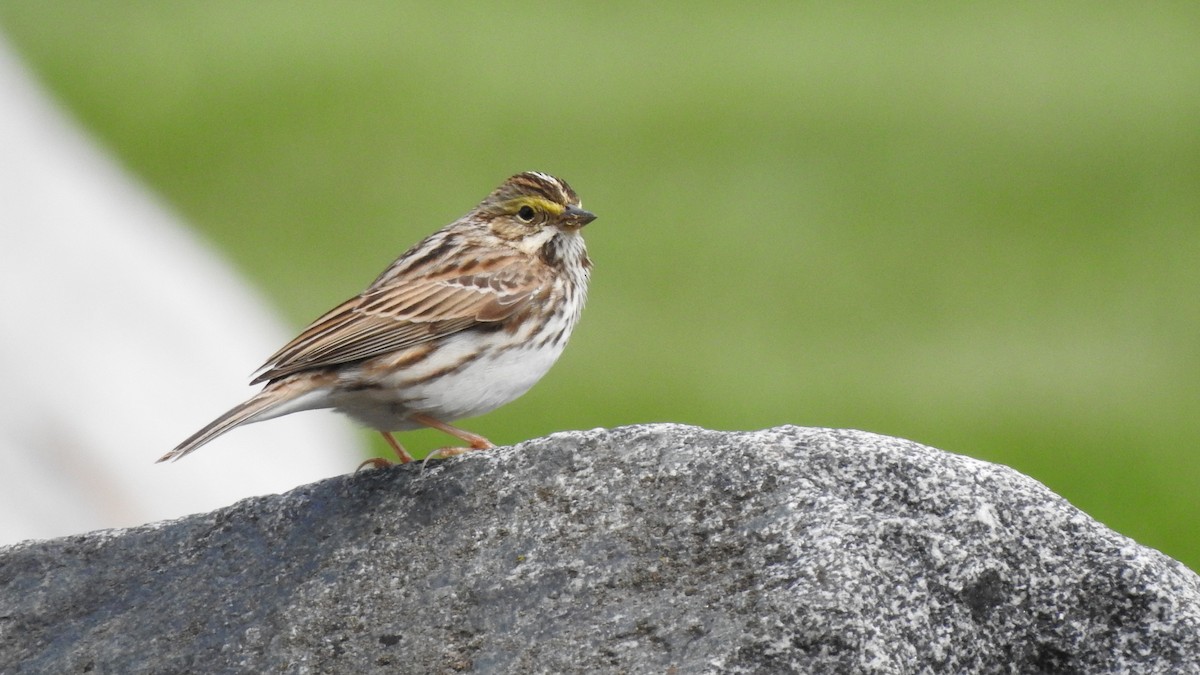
{"points": [[577, 216]]}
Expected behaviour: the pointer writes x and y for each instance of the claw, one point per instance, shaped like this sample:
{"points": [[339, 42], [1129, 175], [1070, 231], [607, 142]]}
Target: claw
{"points": [[446, 453], [476, 442], [375, 463]]}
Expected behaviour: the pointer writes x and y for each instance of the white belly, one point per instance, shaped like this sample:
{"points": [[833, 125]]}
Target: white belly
{"points": [[484, 384], [479, 386]]}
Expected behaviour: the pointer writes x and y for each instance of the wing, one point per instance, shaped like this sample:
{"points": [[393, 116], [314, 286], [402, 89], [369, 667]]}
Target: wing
{"points": [[401, 312]]}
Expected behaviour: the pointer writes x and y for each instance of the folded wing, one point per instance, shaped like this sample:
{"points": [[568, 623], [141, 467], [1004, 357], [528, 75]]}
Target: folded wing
{"points": [[403, 312]]}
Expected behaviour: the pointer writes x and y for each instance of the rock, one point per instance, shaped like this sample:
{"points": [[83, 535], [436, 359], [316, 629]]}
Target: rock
{"points": [[658, 548]]}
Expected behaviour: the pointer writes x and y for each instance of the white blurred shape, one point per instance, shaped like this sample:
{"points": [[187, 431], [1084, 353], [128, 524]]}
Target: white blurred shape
{"points": [[121, 334]]}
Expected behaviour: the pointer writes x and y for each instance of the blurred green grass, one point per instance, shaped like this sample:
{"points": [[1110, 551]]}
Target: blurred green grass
{"points": [[972, 225]]}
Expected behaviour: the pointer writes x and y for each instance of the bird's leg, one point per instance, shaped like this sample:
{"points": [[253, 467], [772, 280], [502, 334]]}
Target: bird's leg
{"points": [[405, 458], [381, 463], [476, 441]]}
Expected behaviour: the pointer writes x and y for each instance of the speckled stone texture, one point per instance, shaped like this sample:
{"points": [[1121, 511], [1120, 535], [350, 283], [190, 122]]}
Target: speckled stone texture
{"points": [[658, 549]]}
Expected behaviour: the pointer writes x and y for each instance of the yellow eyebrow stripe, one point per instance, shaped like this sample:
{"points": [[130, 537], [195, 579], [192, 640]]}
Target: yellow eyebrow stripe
{"points": [[543, 205]]}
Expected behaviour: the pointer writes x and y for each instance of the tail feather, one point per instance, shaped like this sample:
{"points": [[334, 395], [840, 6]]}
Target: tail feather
{"points": [[254, 409]]}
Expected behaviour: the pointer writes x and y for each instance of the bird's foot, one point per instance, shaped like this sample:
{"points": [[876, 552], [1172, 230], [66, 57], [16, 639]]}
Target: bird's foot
{"points": [[375, 463]]}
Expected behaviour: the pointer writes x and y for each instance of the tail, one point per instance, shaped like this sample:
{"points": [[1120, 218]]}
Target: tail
{"points": [[264, 405]]}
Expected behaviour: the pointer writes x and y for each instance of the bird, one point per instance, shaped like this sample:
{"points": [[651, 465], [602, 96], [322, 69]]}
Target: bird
{"points": [[462, 323]]}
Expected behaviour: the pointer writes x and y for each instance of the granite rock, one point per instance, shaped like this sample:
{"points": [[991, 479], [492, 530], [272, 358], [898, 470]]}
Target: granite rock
{"points": [[656, 548]]}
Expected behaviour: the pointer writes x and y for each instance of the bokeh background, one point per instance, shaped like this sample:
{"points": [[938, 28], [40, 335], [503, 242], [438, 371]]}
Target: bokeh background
{"points": [[976, 226]]}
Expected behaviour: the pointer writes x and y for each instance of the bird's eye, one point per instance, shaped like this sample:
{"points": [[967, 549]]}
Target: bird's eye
{"points": [[526, 213]]}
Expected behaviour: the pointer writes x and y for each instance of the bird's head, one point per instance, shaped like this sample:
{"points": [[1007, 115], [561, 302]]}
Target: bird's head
{"points": [[533, 207]]}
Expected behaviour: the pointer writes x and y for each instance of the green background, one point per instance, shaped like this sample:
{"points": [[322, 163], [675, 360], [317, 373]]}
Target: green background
{"points": [[973, 225]]}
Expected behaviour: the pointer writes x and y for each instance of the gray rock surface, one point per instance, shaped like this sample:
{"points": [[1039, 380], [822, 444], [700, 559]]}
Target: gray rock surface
{"points": [[658, 548]]}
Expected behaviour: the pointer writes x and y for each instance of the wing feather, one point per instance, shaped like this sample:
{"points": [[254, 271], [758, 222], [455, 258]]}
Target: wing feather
{"points": [[402, 313]]}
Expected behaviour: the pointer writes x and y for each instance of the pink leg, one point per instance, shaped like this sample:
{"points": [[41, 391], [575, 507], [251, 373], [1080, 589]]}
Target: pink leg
{"points": [[405, 458], [379, 462], [476, 441]]}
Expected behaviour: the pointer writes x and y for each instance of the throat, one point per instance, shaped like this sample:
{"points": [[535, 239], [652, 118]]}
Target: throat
{"points": [[566, 250]]}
